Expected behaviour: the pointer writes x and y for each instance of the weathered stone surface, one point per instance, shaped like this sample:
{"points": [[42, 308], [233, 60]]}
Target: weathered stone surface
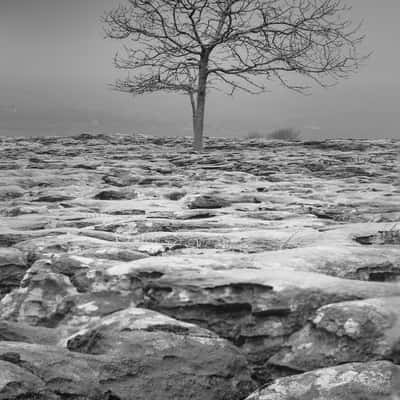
{"points": [[19, 383], [369, 263], [37, 298], [21, 210], [207, 201], [10, 192], [12, 268], [257, 308], [78, 310], [175, 195], [368, 381], [53, 198], [45, 246], [111, 194], [119, 331], [246, 240], [121, 179], [356, 331], [134, 352], [249, 240], [17, 332]]}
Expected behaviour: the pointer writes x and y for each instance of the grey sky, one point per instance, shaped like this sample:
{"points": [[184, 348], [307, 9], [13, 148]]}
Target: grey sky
{"points": [[55, 67]]}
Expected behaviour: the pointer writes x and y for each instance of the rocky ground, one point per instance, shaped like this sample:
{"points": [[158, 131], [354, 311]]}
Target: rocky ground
{"points": [[132, 268]]}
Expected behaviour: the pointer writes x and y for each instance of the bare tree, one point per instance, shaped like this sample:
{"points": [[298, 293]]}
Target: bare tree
{"points": [[190, 46]]}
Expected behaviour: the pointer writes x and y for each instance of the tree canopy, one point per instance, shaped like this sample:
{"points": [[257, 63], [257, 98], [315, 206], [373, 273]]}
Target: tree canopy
{"points": [[190, 46]]}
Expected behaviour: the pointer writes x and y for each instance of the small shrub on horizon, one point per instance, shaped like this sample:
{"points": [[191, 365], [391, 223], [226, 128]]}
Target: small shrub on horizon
{"points": [[255, 135], [279, 134], [285, 134]]}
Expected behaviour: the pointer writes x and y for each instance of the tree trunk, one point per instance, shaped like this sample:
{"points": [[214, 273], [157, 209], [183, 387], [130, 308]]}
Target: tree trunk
{"points": [[193, 104], [198, 120]]}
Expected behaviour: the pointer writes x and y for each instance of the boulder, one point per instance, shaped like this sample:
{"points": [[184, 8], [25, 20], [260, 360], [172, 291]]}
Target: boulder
{"points": [[175, 195], [121, 180], [138, 353], [207, 201], [37, 298], [355, 331], [366, 381], [76, 311], [112, 194], [19, 383], [12, 269]]}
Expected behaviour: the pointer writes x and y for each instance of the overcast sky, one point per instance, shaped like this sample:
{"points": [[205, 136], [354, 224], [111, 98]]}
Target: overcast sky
{"points": [[55, 66]]}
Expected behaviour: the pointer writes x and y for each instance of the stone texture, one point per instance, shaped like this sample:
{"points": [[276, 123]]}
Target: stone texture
{"points": [[37, 298], [362, 330], [132, 352], [207, 201], [12, 268], [254, 306], [369, 381], [10, 192], [19, 383], [138, 266]]}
